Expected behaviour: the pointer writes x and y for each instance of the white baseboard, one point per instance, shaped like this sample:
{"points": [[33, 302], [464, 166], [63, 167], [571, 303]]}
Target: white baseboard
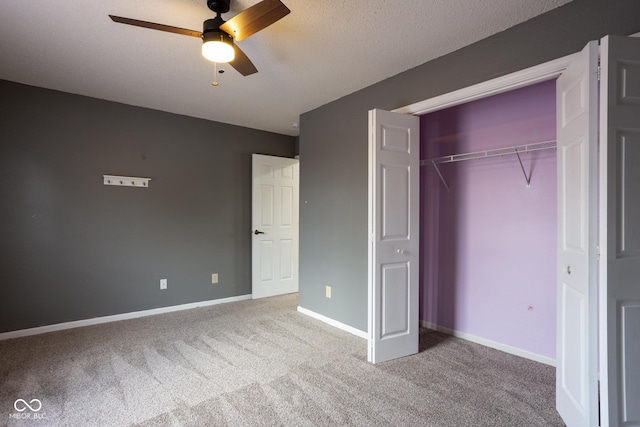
{"points": [[335, 323], [116, 317], [489, 343]]}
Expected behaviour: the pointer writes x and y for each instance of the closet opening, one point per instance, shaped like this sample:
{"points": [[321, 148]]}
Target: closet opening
{"points": [[488, 214]]}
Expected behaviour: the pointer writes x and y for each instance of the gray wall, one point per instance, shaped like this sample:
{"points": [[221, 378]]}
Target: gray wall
{"points": [[72, 248], [333, 142]]}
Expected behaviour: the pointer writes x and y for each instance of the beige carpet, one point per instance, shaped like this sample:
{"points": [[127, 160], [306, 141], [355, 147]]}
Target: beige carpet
{"points": [[260, 362]]}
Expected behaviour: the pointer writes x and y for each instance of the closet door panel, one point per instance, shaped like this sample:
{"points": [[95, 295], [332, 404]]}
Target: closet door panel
{"points": [[394, 168], [576, 365], [620, 230]]}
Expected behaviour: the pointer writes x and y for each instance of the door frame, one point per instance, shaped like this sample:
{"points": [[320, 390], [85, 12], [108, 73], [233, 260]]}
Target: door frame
{"points": [[536, 74]]}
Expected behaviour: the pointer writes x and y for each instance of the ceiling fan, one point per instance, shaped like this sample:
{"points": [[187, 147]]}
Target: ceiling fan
{"points": [[218, 36]]}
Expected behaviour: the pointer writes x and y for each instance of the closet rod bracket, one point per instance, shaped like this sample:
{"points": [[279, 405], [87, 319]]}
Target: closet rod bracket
{"points": [[440, 175], [527, 178]]}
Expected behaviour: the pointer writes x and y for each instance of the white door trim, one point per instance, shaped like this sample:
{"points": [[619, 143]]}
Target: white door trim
{"points": [[529, 76], [526, 77]]}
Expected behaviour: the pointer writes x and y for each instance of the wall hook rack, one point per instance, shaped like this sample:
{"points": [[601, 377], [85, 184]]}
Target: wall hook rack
{"points": [[517, 150], [125, 181]]}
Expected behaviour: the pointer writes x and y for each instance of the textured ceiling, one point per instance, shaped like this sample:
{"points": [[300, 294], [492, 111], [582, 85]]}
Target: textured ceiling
{"points": [[320, 52]]}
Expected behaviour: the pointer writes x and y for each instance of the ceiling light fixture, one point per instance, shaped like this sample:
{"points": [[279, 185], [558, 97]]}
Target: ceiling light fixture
{"points": [[217, 46], [219, 35]]}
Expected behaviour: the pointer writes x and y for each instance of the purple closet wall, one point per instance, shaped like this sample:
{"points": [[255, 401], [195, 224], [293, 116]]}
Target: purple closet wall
{"points": [[488, 246]]}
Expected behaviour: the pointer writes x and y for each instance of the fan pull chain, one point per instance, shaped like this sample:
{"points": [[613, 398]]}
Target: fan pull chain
{"points": [[215, 74]]}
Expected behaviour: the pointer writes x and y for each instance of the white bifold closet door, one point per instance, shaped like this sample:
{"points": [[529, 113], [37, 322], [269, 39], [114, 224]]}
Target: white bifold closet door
{"points": [[620, 231], [576, 337], [612, 295], [394, 198]]}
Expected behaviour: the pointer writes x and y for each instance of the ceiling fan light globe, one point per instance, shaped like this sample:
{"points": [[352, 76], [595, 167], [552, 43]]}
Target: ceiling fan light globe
{"points": [[218, 51]]}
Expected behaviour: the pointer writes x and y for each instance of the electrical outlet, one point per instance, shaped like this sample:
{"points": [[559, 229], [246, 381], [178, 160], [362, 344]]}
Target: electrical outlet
{"points": [[327, 291], [214, 278], [163, 283]]}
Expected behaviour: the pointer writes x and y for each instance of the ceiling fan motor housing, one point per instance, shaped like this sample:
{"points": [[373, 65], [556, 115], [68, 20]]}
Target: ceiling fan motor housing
{"points": [[217, 35], [219, 6], [211, 30]]}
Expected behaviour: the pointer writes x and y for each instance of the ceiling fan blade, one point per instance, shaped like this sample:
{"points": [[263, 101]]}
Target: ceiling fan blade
{"points": [[255, 18], [154, 26], [242, 63]]}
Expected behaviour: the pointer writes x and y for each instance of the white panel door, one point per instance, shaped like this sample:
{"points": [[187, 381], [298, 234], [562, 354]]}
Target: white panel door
{"points": [[576, 364], [274, 226], [620, 231], [394, 169]]}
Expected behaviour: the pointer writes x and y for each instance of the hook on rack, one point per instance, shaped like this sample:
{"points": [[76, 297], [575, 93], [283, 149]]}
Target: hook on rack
{"points": [[126, 181]]}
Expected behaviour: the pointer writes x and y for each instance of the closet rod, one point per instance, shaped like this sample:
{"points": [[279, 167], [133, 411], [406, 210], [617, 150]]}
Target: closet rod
{"points": [[517, 150]]}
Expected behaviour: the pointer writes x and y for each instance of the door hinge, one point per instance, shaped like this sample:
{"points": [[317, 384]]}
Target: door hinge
{"points": [[598, 72], [597, 253]]}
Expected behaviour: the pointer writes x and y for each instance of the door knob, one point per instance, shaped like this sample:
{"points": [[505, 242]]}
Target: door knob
{"points": [[400, 251], [258, 232]]}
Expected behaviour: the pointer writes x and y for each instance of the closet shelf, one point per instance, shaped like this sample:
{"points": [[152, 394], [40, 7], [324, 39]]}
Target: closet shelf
{"points": [[517, 150]]}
